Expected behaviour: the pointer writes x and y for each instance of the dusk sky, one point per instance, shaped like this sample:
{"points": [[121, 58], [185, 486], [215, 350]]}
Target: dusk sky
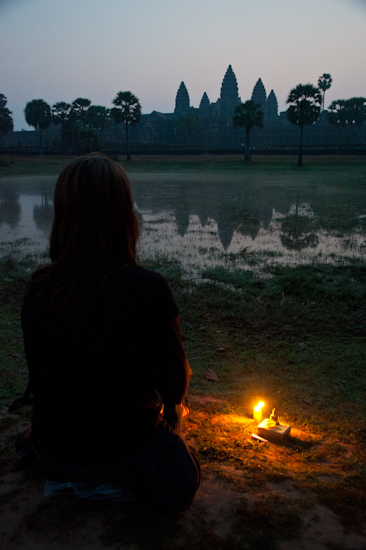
{"points": [[61, 50]]}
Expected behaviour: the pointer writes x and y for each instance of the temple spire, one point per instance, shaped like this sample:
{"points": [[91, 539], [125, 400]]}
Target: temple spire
{"points": [[229, 97], [181, 100], [205, 102], [259, 94], [229, 87], [272, 106]]}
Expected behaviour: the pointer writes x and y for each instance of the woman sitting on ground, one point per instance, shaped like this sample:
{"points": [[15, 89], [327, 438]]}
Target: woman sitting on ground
{"points": [[103, 344]]}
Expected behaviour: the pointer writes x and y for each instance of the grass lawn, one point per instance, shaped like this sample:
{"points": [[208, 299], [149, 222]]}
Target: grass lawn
{"points": [[295, 338]]}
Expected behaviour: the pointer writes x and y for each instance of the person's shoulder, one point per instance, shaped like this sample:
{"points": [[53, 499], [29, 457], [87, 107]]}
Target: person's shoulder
{"points": [[142, 275], [146, 284], [38, 279]]}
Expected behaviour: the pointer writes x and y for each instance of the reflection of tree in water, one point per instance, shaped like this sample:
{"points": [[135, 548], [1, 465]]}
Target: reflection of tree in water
{"points": [[9, 208], [298, 230], [43, 215]]}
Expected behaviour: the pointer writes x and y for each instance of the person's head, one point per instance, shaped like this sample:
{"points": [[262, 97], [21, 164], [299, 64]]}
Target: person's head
{"points": [[95, 226]]}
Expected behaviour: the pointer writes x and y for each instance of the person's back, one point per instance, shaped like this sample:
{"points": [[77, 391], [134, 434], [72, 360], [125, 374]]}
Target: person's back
{"points": [[101, 334]]}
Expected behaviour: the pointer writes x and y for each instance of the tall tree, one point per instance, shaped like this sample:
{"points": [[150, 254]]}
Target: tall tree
{"points": [[127, 110], [79, 110], [69, 134], [248, 115], [6, 122], [348, 112], [304, 110], [98, 117], [324, 83], [3, 100], [61, 112], [38, 114]]}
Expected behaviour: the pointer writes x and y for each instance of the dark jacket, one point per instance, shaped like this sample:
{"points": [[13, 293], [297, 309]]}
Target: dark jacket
{"points": [[95, 373]]}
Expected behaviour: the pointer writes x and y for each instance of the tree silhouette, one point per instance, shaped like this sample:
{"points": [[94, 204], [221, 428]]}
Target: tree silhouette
{"points": [[38, 114], [6, 122], [98, 117], [298, 230], [61, 112], [324, 83], [248, 115], [69, 134], [3, 100], [348, 112], [79, 110], [127, 110], [304, 110]]}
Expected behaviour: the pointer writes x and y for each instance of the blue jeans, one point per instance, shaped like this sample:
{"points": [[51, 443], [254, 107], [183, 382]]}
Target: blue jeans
{"points": [[163, 463]]}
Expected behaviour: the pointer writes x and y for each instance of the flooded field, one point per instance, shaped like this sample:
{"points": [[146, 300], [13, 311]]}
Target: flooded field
{"points": [[205, 220]]}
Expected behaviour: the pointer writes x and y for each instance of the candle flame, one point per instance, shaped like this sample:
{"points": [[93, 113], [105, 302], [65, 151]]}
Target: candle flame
{"points": [[259, 407]]}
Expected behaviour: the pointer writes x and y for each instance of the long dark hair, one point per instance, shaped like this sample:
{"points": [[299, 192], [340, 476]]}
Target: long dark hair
{"points": [[94, 231]]}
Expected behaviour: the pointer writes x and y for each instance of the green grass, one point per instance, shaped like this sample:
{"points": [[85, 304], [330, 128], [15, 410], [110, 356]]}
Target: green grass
{"points": [[38, 164], [291, 336]]}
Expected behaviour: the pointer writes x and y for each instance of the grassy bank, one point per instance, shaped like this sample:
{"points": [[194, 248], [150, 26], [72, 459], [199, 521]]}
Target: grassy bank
{"points": [[296, 341], [293, 337], [12, 165]]}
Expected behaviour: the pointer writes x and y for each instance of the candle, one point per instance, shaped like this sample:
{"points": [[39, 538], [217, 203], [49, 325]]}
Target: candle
{"points": [[257, 413]]}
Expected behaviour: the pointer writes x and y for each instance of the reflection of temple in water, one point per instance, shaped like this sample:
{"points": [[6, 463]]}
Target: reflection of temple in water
{"points": [[43, 214], [10, 210], [204, 223], [296, 229]]}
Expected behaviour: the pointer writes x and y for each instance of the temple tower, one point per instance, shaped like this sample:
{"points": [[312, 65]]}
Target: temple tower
{"points": [[272, 107], [181, 100], [259, 95], [229, 97], [205, 103]]}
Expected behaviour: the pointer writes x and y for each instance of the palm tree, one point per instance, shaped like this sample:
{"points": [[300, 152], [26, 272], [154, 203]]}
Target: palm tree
{"points": [[304, 110], [3, 100], [99, 119], [79, 110], [6, 122], [61, 112], [248, 115], [127, 110], [348, 112], [38, 114], [324, 83]]}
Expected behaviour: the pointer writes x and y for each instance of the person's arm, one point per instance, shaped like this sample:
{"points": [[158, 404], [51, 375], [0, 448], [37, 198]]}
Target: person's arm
{"points": [[171, 371]]}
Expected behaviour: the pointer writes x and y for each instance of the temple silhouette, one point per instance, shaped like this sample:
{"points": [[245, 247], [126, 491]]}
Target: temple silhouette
{"points": [[207, 128], [228, 100]]}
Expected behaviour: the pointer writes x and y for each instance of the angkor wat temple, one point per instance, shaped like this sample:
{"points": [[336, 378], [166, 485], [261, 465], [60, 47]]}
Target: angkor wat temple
{"points": [[228, 100], [209, 128], [209, 125]]}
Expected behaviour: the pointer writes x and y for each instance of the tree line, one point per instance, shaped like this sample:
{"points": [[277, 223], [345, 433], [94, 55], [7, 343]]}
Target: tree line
{"points": [[306, 102], [82, 124]]}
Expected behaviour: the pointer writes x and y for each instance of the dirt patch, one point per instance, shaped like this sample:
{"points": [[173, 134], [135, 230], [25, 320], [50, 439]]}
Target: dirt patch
{"points": [[272, 497]]}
